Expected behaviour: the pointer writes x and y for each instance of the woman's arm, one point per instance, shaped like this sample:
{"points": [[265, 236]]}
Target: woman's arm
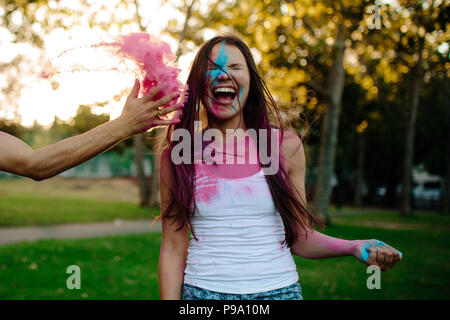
{"points": [[315, 245], [138, 115], [174, 244]]}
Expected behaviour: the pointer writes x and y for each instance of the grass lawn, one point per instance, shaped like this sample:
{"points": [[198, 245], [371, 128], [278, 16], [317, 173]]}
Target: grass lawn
{"points": [[125, 267], [390, 219], [25, 202]]}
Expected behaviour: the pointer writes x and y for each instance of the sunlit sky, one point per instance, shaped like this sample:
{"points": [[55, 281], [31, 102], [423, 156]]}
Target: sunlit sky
{"points": [[42, 103]]}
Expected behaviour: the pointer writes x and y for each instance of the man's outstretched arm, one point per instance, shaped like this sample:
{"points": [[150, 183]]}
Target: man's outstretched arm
{"points": [[138, 115]]}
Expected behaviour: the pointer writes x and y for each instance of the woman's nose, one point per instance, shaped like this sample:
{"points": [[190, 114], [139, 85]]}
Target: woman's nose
{"points": [[223, 75]]}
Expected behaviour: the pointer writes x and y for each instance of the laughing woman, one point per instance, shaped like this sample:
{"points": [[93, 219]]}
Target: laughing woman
{"points": [[245, 223]]}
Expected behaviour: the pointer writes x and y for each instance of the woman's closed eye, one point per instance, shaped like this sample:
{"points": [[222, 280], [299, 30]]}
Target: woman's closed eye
{"points": [[235, 67]]}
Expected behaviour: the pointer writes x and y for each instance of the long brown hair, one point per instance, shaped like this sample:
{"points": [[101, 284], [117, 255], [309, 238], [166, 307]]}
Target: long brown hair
{"points": [[260, 103]]}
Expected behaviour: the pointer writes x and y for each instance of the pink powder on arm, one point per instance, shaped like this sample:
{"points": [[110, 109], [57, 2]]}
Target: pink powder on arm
{"points": [[319, 245]]}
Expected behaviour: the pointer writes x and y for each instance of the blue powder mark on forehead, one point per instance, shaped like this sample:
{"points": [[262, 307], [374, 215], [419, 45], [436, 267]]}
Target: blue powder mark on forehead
{"points": [[222, 58], [220, 63]]}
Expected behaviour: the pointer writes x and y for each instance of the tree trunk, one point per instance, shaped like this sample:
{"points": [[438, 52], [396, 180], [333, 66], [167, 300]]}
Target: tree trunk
{"points": [[184, 30], [360, 169], [446, 195], [154, 190], [329, 133], [144, 190], [405, 202], [138, 144]]}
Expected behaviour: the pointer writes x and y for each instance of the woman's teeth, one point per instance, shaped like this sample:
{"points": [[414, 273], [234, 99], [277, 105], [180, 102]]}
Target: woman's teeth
{"points": [[224, 93], [224, 89]]}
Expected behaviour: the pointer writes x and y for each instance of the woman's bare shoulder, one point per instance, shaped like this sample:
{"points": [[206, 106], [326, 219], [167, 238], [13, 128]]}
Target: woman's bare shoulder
{"points": [[292, 150], [291, 143]]}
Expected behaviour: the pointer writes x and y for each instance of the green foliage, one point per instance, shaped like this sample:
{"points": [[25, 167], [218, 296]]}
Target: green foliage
{"points": [[12, 128], [85, 120]]}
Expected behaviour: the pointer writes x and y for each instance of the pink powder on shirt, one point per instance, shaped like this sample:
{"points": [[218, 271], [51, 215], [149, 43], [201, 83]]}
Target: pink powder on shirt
{"points": [[248, 189], [206, 188]]}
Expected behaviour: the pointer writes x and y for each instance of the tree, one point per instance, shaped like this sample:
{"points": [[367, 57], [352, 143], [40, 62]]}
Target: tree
{"points": [[414, 30], [432, 134]]}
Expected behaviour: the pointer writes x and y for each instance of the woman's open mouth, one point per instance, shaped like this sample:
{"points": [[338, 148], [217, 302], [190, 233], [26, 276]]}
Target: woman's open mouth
{"points": [[224, 95]]}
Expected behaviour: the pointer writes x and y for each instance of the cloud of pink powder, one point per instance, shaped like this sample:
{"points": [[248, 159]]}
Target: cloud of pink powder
{"points": [[154, 58]]}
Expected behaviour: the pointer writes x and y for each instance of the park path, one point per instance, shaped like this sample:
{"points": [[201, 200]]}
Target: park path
{"points": [[76, 230]]}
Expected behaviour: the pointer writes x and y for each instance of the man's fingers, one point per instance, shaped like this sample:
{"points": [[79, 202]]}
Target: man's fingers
{"points": [[164, 111], [135, 90], [151, 94], [165, 100], [166, 122]]}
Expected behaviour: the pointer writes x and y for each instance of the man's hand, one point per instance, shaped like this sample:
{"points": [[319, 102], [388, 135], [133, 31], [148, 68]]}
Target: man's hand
{"points": [[141, 114], [375, 252]]}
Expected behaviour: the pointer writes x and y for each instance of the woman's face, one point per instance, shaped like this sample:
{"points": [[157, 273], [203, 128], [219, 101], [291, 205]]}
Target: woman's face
{"points": [[226, 94]]}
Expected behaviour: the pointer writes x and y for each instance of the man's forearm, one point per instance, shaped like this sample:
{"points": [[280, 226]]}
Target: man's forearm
{"points": [[51, 160], [319, 246]]}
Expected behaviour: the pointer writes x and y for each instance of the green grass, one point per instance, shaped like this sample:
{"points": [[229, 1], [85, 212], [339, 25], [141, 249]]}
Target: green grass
{"points": [[418, 220], [34, 210], [423, 273], [24, 202], [120, 267], [125, 267]]}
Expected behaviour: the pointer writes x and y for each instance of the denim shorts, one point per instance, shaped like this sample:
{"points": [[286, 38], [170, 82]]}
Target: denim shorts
{"points": [[291, 292]]}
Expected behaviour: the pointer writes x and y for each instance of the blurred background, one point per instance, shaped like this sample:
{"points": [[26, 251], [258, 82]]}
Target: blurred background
{"points": [[365, 83]]}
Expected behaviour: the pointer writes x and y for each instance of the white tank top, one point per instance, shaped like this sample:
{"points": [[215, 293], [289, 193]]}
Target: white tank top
{"points": [[239, 232]]}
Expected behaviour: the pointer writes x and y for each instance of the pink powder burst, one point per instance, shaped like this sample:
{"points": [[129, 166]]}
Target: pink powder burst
{"points": [[153, 58]]}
